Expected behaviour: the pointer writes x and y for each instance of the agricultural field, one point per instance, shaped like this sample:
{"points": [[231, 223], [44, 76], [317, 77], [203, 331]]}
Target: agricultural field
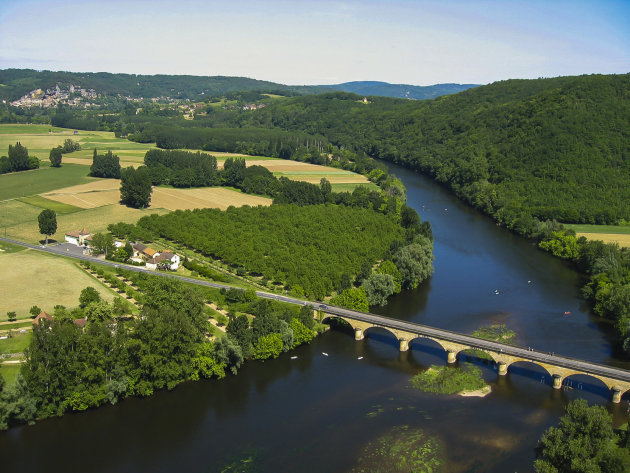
{"points": [[607, 233], [37, 181], [213, 197], [81, 201], [39, 139], [43, 280], [619, 238], [20, 220]]}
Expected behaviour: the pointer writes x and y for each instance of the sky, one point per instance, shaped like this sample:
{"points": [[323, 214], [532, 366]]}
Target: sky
{"points": [[299, 42]]}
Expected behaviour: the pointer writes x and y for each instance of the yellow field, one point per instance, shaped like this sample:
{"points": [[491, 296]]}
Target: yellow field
{"points": [[32, 278], [621, 239], [213, 197], [107, 192]]}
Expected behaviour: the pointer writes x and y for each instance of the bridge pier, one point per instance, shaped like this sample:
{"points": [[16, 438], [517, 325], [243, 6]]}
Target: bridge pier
{"points": [[358, 334], [616, 396], [404, 344], [557, 381], [502, 368], [451, 357]]}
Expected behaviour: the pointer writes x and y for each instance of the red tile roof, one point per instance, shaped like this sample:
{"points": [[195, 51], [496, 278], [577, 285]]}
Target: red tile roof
{"points": [[42, 315]]}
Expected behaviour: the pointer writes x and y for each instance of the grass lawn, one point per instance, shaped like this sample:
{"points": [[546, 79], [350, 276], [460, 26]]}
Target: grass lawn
{"points": [[584, 228], [17, 343], [9, 247], [10, 372], [349, 187], [26, 183], [42, 280], [44, 203]]}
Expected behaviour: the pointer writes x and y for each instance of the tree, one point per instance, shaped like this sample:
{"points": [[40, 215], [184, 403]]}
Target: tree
{"points": [[98, 311], [34, 311], [70, 145], [238, 329], [378, 287], [107, 165], [354, 298], [87, 296], [233, 171], [18, 157], [12, 316], [268, 346], [227, 351], [584, 441], [55, 157], [47, 223], [135, 187], [415, 262], [102, 243]]}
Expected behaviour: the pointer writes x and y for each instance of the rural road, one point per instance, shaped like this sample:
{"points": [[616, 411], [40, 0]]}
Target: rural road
{"points": [[378, 320]]}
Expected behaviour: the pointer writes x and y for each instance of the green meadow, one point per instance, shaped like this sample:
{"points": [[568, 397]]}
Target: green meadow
{"points": [[37, 181]]}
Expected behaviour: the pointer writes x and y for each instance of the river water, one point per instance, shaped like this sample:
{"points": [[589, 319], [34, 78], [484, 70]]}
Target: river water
{"points": [[319, 413]]}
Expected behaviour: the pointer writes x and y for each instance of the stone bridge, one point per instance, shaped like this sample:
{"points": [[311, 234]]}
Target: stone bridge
{"points": [[558, 367]]}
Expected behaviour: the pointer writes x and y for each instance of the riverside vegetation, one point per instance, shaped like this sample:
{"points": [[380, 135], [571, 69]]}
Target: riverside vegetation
{"points": [[69, 368]]}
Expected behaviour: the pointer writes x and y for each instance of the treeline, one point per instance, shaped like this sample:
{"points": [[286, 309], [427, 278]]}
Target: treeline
{"points": [[73, 367], [181, 168], [18, 160], [252, 141], [310, 249]]}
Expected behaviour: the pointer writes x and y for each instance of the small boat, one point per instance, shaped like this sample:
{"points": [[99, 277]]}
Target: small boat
{"points": [[567, 312], [294, 357], [324, 353], [360, 358]]}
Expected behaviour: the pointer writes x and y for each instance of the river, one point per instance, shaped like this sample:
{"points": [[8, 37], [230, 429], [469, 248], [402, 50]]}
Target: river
{"points": [[321, 413]]}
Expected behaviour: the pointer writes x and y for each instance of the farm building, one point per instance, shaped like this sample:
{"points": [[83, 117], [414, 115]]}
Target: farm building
{"points": [[164, 260], [42, 315], [79, 238]]}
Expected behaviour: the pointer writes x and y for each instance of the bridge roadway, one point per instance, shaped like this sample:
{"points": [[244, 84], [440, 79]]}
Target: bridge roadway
{"points": [[618, 379]]}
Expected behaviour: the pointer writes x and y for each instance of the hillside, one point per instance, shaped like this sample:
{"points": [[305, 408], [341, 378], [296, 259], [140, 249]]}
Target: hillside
{"points": [[548, 148], [18, 82], [401, 91]]}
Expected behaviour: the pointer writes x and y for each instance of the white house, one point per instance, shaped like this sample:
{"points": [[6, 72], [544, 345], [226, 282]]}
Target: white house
{"points": [[79, 238], [166, 259]]}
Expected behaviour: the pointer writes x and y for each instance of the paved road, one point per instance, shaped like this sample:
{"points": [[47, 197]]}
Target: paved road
{"points": [[418, 329]]}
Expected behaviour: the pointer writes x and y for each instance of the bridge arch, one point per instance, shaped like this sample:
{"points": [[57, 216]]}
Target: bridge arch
{"points": [[532, 367], [588, 383]]}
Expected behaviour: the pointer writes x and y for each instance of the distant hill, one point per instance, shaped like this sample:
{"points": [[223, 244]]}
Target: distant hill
{"points": [[15, 83], [555, 148], [401, 91]]}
